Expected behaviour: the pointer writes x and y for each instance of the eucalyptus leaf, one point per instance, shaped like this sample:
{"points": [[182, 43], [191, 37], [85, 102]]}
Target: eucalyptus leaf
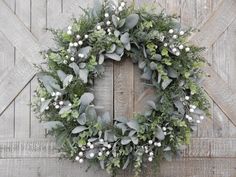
{"points": [[133, 124], [109, 136], [82, 119], [112, 49], [79, 129], [172, 73], [141, 64], [52, 124], [122, 126], [153, 66], [97, 8], [121, 23], [165, 83], [86, 98], [156, 57], [44, 105], [120, 51], [101, 59], [85, 50], [125, 38], [126, 163], [113, 56], [75, 68], [125, 140], [131, 21], [67, 80], [91, 114], [102, 164], [179, 105], [117, 33], [159, 134], [115, 20], [168, 156], [106, 118], [64, 109], [61, 75], [49, 82], [83, 74], [134, 140], [121, 119], [152, 104]]}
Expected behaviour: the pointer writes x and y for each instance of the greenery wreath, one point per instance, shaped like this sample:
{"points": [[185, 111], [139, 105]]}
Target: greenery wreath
{"points": [[111, 30]]}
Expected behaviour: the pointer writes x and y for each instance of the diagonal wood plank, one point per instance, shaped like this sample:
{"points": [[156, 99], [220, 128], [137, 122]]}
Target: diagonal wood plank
{"points": [[216, 24]]}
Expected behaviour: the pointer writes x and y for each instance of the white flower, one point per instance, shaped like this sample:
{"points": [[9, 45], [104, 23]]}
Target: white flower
{"points": [[171, 31], [58, 93], [69, 32], [175, 36], [91, 155], [181, 47], [198, 121], [108, 152], [61, 103], [150, 142], [191, 110], [174, 49], [100, 154], [164, 128], [187, 49], [81, 160], [120, 8], [150, 159], [72, 59], [75, 44], [71, 44], [81, 153], [86, 36], [108, 23], [181, 33], [57, 106], [109, 146], [165, 45], [177, 54], [91, 146], [151, 153], [101, 140], [99, 27], [106, 15], [80, 42], [77, 158], [42, 99], [187, 98], [122, 4], [201, 117], [78, 36]]}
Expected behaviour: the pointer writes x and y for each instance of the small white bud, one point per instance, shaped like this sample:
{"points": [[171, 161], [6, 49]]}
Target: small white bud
{"points": [[71, 44], [65, 61], [108, 153], [75, 44], [47, 108], [181, 33], [150, 142], [159, 144], [190, 118], [103, 148], [81, 160], [57, 106], [91, 155], [109, 146], [151, 153], [81, 154], [150, 159], [91, 146], [69, 104], [187, 49], [86, 36], [191, 110], [68, 50], [72, 59], [99, 27], [201, 117], [80, 42], [106, 15], [175, 36], [61, 103], [77, 158], [171, 31], [177, 54], [42, 99], [122, 4], [101, 140], [109, 30], [108, 23], [165, 45], [187, 98], [198, 121], [120, 8], [118, 18], [165, 133], [58, 93], [78, 36], [100, 154], [164, 128], [69, 32], [174, 50], [181, 47], [69, 28], [187, 116]]}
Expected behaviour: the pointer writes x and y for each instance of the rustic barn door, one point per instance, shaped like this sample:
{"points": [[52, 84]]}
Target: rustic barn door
{"points": [[24, 149]]}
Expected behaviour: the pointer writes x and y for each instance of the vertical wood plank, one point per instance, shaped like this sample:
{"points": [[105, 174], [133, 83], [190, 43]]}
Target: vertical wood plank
{"points": [[123, 88], [203, 11], [173, 7], [36, 128], [7, 122], [38, 16], [188, 13], [23, 11], [11, 4], [103, 88]]}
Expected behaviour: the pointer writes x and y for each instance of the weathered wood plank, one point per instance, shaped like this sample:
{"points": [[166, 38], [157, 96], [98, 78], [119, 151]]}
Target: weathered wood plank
{"points": [[45, 167], [14, 80], [123, 88], [22, 112], [41, 147], [38, 17], [173, 7], [218, 90], [216, 24], [11, 4], [203, 11], [103, 88], [7, 122], [188, 13], [23, 11]]}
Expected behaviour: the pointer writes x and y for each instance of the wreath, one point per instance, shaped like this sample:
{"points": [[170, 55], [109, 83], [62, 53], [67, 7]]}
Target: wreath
{"points": [[159, 47]]}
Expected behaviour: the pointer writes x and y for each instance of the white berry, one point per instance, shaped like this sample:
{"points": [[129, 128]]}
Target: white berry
{"points": [[174, 49], [47, 108], [151, 153], [100, 154], [201, 117], [69, 104], [159, 144], [186, 97], [177, 54], [53, 94], [120, 8], [191, 110], [109, 146], [108, 23], [122, 4], [86, 36], [150, 159], [81, 160], [106, 15], [88, 144], [181, 33], [198, 121], [91, 146], [187, 49], [165, 45], [99, 27], [61, 103], [72, 59], [80, 42], [71, 44], [101, 140], [69, 28], [81, 153], [175, 36], [77, 158], [69, 32], [58, 93], [103, 148], [57, 106], [164, 128], [150, 142], [75, 44], [181, 47], [78, 36], [108, 152], [171, 31], [42, 99], [65, 61], [91, 155]]}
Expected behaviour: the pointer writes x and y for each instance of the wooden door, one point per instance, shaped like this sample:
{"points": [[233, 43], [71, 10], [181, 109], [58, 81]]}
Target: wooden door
{"points": [[24, 149]]}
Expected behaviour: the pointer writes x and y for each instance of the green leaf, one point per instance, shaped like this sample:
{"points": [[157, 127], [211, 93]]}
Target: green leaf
{"points": [[65, 109], [75, 68], [44, 105], [79, 129], [134, 140], [153, 66], [126, 163], [179, 105], [101, 59], [83, 74], [166, 83], [82, 119], [61, 75], [125, 38], [86, 98], [125, 140], [131, 21], [91, 114], [109, 136], [67, 80], [49, 82], [164, 52], [115, 20], [106, 118], [112, 49], [172, 72], [152, 104], [133, 124], [159, 134], [113, 56]]}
